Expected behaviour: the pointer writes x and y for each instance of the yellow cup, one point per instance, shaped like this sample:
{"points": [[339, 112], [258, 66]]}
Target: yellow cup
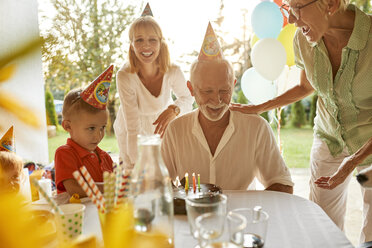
{"points": [[118, 229]]}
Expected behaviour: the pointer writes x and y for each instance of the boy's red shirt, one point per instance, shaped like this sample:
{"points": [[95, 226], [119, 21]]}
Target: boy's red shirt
{"points": [[68, 158]]}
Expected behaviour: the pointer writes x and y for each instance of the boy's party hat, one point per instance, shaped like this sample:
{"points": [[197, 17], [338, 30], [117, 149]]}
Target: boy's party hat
{"points": [[7, 141], [210, 49], [147, 11], [96, 94]]}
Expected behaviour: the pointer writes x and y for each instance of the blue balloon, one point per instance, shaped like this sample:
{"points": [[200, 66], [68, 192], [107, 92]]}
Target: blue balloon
{"points": [[267, 20], [256, 88]]}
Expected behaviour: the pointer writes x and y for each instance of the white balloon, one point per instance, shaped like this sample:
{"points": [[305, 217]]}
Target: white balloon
{"points": [[256, 88], [269, 58], [289, 78]]}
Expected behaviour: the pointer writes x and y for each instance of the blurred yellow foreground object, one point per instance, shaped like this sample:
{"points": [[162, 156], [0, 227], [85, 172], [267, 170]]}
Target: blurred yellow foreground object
{"points": [[75, 198]]}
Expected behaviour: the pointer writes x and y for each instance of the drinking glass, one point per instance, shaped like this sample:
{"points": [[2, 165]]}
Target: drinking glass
{"points": [[254, 233], [213, 233], [210, 227], [204, 202]]}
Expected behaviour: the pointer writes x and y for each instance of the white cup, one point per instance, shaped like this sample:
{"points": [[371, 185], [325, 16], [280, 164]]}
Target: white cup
{"points": [[71, 222], [46, 185]]}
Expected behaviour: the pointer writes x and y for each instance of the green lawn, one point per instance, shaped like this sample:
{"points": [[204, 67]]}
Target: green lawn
{"points": [[108, 143], [296, 145]]}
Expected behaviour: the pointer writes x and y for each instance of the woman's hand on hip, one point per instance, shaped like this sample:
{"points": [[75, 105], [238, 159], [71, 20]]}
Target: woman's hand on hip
{"points": [[346, 168], [163, 120]]}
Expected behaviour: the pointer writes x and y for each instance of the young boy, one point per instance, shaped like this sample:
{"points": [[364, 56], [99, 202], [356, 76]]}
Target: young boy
{"points": [[84, 116]]}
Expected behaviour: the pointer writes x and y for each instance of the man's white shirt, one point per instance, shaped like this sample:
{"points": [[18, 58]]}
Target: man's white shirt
{"points": [[246, 150]]}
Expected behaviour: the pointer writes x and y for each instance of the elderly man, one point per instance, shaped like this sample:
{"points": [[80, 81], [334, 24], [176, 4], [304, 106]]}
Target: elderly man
{"points": [[226, 148]]}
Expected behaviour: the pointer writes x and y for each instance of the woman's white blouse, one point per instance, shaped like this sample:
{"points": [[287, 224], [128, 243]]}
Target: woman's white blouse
{"points": [[139, 108]]}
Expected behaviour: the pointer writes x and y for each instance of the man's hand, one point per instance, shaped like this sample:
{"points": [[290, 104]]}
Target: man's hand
{"points": [[163, 120], [346, 168], [281, 188], [246, 109]]}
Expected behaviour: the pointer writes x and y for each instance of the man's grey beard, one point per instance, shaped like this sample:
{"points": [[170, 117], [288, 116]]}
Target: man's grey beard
{"points": [[203, 109]]}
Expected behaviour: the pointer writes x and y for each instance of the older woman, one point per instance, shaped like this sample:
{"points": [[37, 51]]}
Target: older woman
{"points": [[333, 47]]}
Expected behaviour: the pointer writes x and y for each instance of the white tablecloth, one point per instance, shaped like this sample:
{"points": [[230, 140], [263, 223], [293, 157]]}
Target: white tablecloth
{"points": [[293, 222]]}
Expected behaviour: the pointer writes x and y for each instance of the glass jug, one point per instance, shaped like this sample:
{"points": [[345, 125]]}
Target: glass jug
{"points": [[152, 194]]}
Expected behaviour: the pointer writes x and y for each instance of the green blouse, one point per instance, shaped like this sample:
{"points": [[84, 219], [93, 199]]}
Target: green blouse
{"points": [[344, 108]]}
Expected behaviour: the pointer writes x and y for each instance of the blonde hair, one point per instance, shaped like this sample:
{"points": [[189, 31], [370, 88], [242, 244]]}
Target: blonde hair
{"points": [[163, 59], [74, 104], [10, 161], [323, 3], [195, 65], [341, 7]]}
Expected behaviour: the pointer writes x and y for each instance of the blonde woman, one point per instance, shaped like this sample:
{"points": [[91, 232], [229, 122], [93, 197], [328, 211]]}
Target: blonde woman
{"points": [[145, 87]]}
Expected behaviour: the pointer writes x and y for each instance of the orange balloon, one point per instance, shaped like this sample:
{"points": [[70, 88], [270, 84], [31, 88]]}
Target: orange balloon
{"points": [[280, 3]]}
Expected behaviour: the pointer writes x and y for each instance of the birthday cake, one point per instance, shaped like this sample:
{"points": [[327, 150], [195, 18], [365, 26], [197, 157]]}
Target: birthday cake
{"points": [[179, 195]]}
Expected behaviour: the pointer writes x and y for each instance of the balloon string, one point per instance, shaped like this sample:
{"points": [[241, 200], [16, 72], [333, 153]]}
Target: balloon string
{"points": [[279, 111]]}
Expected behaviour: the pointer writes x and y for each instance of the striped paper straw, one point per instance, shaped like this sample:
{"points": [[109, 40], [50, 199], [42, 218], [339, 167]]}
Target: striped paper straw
{"points": [[124, 188], [110, 192], [87, 190], [52, 203], [118, 171], [93, 186], [106, 181]]}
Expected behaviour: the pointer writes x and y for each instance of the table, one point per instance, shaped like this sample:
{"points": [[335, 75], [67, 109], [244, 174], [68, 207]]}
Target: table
{"points": [[293, 222]]}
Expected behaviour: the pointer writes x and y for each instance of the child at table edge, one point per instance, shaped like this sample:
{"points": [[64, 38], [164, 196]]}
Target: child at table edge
{"points": [[10, 171], [84, 116]]}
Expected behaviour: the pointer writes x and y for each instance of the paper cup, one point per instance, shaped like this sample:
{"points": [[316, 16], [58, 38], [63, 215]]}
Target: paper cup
{"points": [[46, 185], [71, 222]]}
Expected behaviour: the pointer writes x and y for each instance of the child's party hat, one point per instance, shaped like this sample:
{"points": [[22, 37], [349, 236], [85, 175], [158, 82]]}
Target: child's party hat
{"points": [[96, 94], [147, 11], [7, 141], [210, 49]]}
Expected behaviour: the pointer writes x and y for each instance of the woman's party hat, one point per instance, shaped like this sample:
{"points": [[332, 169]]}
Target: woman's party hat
{"points": [[147, 11], [96, 94], [211, 49], [7, 141]]}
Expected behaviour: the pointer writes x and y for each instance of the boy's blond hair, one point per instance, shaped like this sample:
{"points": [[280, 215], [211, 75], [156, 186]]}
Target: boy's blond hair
{"points": [[163, 60], [74, 104], [9, 161]]}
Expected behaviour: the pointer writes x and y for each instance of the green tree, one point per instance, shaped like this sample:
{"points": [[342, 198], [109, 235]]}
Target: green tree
{"points": [[283, 121], [84, 39], [297, 114], [314, 100], [51, 115], [241, 98], [265, 115], [364, 5]]}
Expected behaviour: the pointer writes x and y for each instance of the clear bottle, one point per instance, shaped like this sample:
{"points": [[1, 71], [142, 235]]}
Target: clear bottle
{"points": [[152, 194]]}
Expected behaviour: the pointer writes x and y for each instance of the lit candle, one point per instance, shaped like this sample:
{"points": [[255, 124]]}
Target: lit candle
{"points": [[187, 182], [193, 182], [199, 182]]}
